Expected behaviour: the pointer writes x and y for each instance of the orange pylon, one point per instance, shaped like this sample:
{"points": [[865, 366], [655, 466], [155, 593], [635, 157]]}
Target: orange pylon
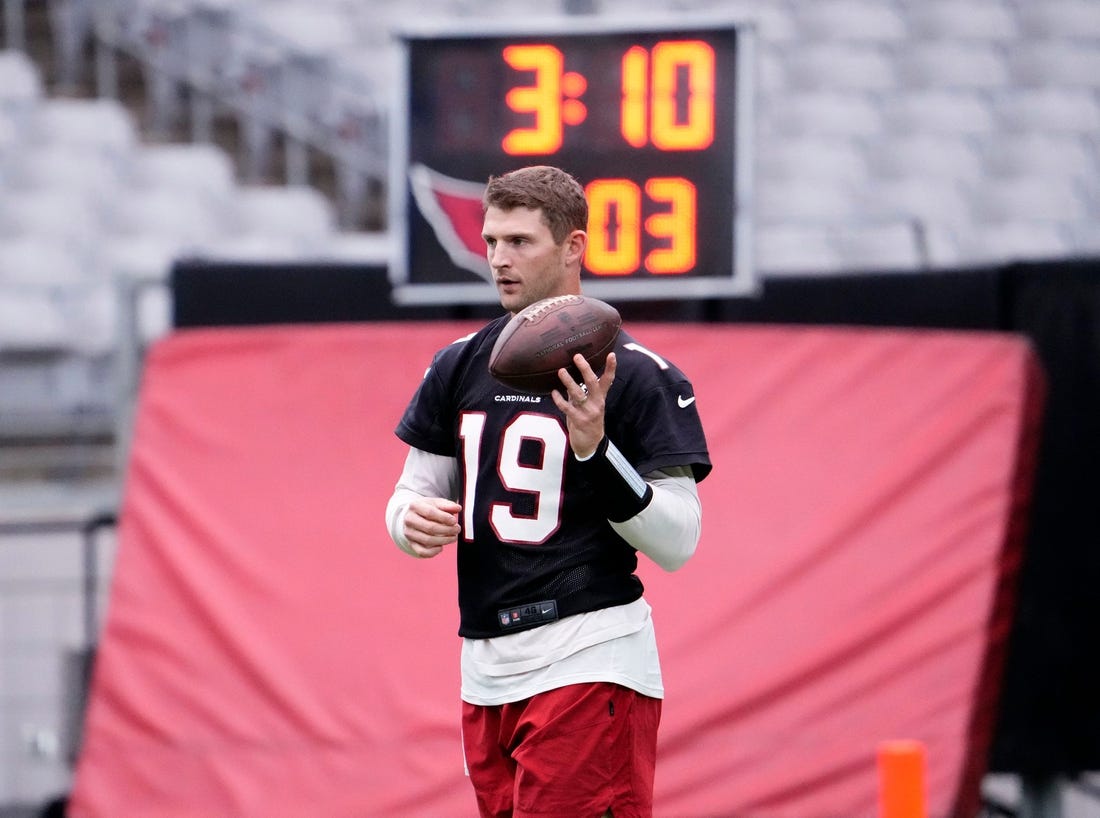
{"points": [[902, 791]]}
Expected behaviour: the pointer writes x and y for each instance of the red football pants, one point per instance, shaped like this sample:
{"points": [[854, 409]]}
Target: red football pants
{"points": [[573, 752]]}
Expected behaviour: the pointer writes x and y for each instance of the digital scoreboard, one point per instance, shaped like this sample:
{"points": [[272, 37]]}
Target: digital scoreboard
{"points": [[655, 121]]}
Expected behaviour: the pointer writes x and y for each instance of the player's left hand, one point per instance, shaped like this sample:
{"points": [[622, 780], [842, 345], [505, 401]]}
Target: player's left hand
{"points": [[583, 404]]}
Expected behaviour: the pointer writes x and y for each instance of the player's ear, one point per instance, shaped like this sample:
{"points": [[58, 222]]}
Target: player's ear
{"points": [[575, 243]]}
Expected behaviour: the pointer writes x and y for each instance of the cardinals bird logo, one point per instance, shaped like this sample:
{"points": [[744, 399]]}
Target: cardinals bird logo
{"points": [[453, 209]]}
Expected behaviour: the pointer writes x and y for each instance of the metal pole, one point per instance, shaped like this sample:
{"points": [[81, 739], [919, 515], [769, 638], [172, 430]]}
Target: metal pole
{"points": [[105, 519]]}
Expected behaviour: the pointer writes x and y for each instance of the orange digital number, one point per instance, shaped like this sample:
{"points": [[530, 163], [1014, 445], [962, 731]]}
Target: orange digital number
{"points": [[615, 227], [677, 225], [543, 99], [651, 96], [634, 113], [697, 130]]}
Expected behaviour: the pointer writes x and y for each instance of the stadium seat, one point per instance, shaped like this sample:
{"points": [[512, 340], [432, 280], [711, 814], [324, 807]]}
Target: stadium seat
{"points": [[820, 113], [91, 317], [71, 221], [9, 137], [360, 247], [917, 197], [1030, 152], [299, 213], [1033, 198], [938, 111], [142, 257], [784, 249], [952, 64], [1009, 241], [838, 67], [30, 321], [992, 20], [307, 27], [830, 159], [20, 86], [773, 22], [1083, 238], [848, 21], [1053, 110], [194, 167], [374, 23], [20, 76], [771, 69], [256, 247], [53, 298], [806, 201], [80, 170], [942, 156], [29, 260], [882, 247], [103, 124], [1071, 19], [1058, 63], [189, 218]]}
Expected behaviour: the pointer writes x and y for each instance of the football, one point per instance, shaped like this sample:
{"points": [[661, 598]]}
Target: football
{"points": [[544, 337]]}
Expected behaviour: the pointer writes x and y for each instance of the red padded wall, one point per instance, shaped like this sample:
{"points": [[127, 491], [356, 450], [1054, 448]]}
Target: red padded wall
{"points": [[268, 652]]}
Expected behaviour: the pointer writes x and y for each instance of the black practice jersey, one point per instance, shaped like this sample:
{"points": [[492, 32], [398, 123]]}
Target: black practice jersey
{"points": [[534, 530]]}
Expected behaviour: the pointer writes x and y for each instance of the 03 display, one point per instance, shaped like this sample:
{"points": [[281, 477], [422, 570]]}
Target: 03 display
{"points": [[654, 121]]}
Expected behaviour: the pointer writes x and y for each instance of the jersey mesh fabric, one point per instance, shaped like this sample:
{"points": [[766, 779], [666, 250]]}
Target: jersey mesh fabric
{"points": [[535, 528]]}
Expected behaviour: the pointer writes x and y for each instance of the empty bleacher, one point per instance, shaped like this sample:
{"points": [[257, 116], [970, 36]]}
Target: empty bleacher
{"points": [[90, 210], [890, 86], [890, 134]]}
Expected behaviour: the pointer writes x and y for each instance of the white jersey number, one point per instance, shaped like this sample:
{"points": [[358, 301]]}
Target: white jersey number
{"points": [[545, 481]]}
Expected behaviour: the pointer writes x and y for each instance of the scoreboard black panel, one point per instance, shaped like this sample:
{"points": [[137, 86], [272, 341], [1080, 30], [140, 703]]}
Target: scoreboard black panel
{"points": [[655, 122]]}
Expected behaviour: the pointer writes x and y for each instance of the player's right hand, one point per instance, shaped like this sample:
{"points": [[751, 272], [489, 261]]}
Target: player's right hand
{"points": [[430, 524]]}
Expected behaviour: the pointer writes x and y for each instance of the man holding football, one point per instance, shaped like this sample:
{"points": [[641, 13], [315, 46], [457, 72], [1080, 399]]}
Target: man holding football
{"points": [[547, 500]]}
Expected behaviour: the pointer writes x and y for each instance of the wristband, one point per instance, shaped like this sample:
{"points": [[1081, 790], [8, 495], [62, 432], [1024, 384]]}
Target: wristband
{"points": [[617, 483]]}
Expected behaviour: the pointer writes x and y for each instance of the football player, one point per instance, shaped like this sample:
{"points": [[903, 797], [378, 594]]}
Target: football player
{"points": [[547, 501]]}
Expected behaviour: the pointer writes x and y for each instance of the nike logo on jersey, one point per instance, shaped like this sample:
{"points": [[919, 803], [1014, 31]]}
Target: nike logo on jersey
{"points": [[683, 402]]}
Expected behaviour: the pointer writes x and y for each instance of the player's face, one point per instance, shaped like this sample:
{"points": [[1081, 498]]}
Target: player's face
{"points": [[527, 264]]}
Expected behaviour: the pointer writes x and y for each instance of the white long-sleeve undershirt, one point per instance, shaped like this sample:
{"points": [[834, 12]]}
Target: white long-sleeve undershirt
{"points": [[667, 530]]}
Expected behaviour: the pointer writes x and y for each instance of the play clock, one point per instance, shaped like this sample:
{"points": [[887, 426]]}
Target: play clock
{"points": [[654, 120]]}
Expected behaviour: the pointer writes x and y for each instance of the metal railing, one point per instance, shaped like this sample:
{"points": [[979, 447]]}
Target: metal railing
{"points": [[87, 526]]}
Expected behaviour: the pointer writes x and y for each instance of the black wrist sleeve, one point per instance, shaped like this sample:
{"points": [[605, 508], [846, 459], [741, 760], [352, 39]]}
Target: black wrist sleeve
{"points": [[617, 483]]}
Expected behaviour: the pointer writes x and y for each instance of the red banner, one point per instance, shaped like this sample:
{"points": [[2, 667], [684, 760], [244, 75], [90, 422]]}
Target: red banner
{"points": [[269, 652]]}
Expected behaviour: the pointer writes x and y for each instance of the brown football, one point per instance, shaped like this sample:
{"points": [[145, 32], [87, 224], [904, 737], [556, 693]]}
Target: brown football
{"points": [[544, 337]]}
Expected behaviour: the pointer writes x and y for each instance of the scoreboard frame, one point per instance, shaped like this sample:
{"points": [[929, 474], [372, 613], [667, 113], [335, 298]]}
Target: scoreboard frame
{"points": [[671, 201]]}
